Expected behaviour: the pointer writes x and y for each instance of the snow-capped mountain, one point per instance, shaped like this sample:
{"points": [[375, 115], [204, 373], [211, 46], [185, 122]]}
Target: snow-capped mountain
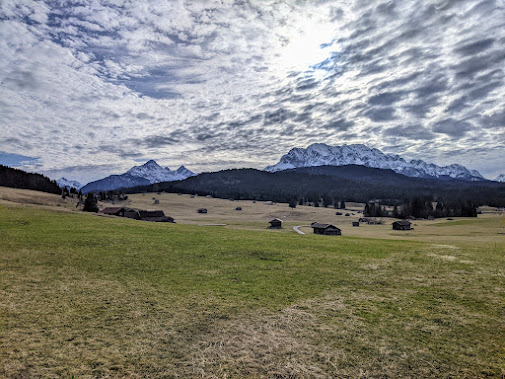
{"points": [[149, 173], [153, 172], [320, 154], [500, 178], [62, 182]]}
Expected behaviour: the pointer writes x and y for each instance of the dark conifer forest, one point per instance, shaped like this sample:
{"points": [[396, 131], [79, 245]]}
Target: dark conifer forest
{"points": [[11, 177]]}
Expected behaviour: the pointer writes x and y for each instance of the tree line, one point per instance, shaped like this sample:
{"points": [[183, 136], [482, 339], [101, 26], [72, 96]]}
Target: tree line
{"points": [[327, 190]]}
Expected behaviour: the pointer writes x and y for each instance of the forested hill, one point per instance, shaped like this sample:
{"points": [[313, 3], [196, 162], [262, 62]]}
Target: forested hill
{"points": [[348, 183], [11, 177]]}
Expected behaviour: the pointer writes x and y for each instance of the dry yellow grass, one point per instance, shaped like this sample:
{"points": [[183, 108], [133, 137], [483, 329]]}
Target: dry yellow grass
{"points": [[91, 296]]}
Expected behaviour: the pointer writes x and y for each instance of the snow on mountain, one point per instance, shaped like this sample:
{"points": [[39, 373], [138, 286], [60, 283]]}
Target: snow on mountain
{"points": [[153, 172], [68, 183], [149, 173], [500, 178], [320, 154]]}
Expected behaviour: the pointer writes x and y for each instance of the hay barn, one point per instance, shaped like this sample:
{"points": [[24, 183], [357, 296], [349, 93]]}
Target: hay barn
{"points": [[326, 229]]}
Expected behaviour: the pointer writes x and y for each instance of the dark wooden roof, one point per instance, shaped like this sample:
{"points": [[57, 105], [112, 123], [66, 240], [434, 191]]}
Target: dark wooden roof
{"points": [[275, 220], [403, 223], [147, 214], [317, 225], [112, 210]]}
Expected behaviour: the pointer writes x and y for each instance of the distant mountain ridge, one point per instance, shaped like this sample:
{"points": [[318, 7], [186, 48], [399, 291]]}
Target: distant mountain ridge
{"points": [[320, 154], [350, 183], [500, 178], [149, 173], [63, 182]]}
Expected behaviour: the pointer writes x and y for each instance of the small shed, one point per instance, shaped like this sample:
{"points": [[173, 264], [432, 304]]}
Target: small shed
{"points": [[355, 223], [202, 210], [347, 214], [326, 229], [402, 225], [338, 213], [238, 208], [156, 201], [275, 224], [114, 211]]}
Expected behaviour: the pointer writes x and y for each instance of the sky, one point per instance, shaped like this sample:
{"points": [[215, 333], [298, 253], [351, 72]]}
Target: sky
{"points": [[91, 88]]}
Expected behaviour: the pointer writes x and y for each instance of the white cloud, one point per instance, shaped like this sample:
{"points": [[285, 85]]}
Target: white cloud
{"points": [[104, 84]]}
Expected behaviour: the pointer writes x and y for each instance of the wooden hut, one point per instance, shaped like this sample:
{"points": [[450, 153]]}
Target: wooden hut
{"points": [[114, 211], [275, 224], [355, 223], [154, 216], [326, 229], [402, 225], [238, 208], [202, 210], [132, 213]]}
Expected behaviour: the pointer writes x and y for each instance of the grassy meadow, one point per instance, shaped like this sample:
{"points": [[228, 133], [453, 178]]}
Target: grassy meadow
{"points": [[89, 296]]}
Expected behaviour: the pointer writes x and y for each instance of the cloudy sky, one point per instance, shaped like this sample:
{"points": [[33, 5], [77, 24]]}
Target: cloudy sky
{"points": [[91, 88]]}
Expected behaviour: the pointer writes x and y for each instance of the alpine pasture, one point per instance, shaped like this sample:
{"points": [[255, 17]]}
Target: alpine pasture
{"points": [[84, 295]]}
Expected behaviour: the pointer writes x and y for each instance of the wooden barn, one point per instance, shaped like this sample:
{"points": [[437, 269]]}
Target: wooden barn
{"points": [[355, 223], [402, 225], [275, 224], [154, 216], [132, 213], [202, 210], [114, 211], [326, 229]]}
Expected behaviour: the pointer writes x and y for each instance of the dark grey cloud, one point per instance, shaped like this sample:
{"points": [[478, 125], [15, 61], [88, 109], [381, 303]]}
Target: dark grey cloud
{"points": [[380, 114], [452, 127], [476, 47]]}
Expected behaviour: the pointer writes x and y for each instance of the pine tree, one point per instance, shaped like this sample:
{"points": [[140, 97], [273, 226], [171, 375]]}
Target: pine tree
{"points": [[90, 204], [342, 204], [292, 203]]}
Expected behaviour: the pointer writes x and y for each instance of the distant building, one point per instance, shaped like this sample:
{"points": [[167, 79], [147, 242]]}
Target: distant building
{"points": [[202, 210], [154, 216], [132, 213], [238, 208], [275, 224], [338, 213], [326, 229], [114, 211], [402, 225], [355, 223]]}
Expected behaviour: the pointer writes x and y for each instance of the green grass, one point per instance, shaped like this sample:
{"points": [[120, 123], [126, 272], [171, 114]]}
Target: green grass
{"points": [[91, 296]]}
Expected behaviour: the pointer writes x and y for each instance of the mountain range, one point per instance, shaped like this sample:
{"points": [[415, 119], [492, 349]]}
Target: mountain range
{"points": [[320, 154], [62, 182], [500, 178], [350, 183], [149, 173]]}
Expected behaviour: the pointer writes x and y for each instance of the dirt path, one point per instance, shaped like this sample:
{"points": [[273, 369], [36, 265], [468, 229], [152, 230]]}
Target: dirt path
{"points": [[295, 228]]}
